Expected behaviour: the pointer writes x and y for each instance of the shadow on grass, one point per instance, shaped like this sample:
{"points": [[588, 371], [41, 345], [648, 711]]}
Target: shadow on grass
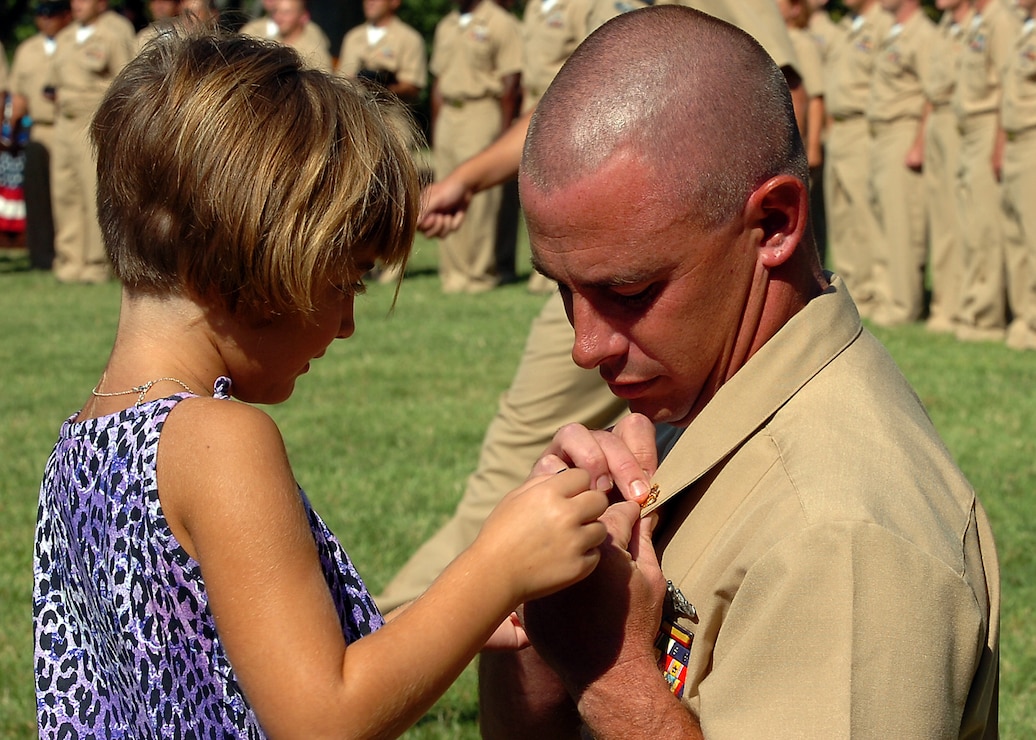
{"points": [[14, 261]]}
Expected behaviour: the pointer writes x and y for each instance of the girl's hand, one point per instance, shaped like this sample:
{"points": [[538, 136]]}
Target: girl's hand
{"points": [[544, 535]]}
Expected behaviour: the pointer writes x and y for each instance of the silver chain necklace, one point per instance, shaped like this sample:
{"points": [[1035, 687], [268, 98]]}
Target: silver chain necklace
{"points": [[141, 390]]}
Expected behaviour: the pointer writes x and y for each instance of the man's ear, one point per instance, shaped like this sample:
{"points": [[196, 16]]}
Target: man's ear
{"points": [[778, 209]]}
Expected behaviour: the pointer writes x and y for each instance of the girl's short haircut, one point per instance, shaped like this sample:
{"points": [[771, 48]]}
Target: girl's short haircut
{"points": [[230, 172]]}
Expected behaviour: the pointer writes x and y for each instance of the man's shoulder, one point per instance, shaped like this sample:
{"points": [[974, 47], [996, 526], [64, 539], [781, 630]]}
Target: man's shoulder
{"points": [[117, 25], [28, 49]]}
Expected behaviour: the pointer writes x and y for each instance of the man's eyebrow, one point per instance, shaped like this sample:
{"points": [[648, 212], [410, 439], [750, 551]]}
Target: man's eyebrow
{"points": [[614, 281]]}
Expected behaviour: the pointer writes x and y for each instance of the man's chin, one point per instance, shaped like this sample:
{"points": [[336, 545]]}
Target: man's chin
{"points": [[666, 414]]}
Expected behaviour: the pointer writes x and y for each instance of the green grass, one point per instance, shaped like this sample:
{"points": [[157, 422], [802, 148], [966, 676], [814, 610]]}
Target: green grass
{"points": [[383, 431]]}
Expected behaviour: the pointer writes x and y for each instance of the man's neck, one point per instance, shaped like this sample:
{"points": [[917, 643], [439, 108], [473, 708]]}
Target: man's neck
{"points": [[960, 13], [466, 6], [383, 21]]}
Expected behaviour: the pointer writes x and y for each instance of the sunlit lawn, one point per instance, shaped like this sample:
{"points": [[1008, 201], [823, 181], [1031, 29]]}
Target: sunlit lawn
{"points": [[384, 429]]}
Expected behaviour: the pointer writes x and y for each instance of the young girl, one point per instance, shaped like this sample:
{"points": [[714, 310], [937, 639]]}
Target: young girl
{"points": [[183, 585]]}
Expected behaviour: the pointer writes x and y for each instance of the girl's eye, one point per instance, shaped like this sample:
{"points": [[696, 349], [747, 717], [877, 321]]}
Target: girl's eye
{"points": [[357, 288]]}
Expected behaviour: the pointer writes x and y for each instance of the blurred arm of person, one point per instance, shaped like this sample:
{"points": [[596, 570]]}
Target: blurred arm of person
{"points": [[915, 154], [816, 119], [444, 203], [510, 100]]}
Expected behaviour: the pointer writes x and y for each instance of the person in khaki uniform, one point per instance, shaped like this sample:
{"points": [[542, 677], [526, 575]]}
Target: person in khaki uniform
{"points": [[32, 90], [824, 30], [1018, 120], [88, 56], [982, 314], [295, 29], [311, 42], [941, 162], [386, 50], [476, 60], [604, 10], [896, 115], [163, 14], [551, 30], [831, 571], [851, 230], [547, 392]]}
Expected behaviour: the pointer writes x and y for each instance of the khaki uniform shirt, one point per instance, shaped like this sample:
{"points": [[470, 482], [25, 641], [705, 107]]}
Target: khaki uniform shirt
{"points": [[824, 31], [471, 59], [400, 50], [850, 61], [944, 60], [987, 46], [900, 66], [811, 66], [83, 69], [551, 31], [1018, 107], [312, 45], [31, 73], [260, 28], [760, 19], [3, 68], [604, 10], [843, 576]]}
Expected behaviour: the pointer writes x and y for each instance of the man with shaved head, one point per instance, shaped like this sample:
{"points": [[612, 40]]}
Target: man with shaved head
{"points": [[830, 572]]}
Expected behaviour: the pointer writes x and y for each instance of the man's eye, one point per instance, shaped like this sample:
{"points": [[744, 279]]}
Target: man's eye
{"points": [[635, 297]]}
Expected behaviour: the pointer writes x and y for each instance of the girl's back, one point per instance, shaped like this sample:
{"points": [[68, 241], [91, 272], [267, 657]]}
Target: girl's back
{"points": [[121, 614]]}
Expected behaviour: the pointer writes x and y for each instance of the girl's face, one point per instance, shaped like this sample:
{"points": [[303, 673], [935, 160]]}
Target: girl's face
{"points": [[265, 358]]}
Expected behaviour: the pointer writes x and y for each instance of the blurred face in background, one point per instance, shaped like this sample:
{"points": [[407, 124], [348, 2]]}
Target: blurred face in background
{"points": [[290, 16], [162, 10], [379, 11], [201, 11], [50, 22], [86, 12]]}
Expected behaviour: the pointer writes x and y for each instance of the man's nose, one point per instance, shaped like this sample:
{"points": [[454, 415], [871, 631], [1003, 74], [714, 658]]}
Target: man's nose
{"points": [[596, 341]]}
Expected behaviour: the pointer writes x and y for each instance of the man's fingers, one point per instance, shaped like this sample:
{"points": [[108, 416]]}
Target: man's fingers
{"points": [[620, 521], [638, 433], [607, 456]]}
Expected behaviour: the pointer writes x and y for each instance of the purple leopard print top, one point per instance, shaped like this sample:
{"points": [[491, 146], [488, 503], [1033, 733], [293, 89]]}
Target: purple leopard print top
{"points": [[125, 644]]}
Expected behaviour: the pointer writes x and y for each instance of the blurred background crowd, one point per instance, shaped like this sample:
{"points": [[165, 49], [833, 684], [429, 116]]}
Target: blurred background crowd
{"points": [[918, 116]]}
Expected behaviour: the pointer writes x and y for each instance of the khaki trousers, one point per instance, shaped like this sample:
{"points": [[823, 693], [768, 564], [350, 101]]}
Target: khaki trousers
{"points": [[982, 313], [851, 231], [78, 244], [548, 391], [897, 198], [467, 257], [1019, 204], [945, 261]]}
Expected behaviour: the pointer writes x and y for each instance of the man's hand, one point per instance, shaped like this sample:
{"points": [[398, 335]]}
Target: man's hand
{"points": [[624, 457], [610, 619], [443, 206]]}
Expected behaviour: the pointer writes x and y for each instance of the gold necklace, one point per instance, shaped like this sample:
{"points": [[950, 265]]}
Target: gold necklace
{"points": [[140, 389]]}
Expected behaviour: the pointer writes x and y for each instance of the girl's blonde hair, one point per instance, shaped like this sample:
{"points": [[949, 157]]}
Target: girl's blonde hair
{"points": [[230, 172]]}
